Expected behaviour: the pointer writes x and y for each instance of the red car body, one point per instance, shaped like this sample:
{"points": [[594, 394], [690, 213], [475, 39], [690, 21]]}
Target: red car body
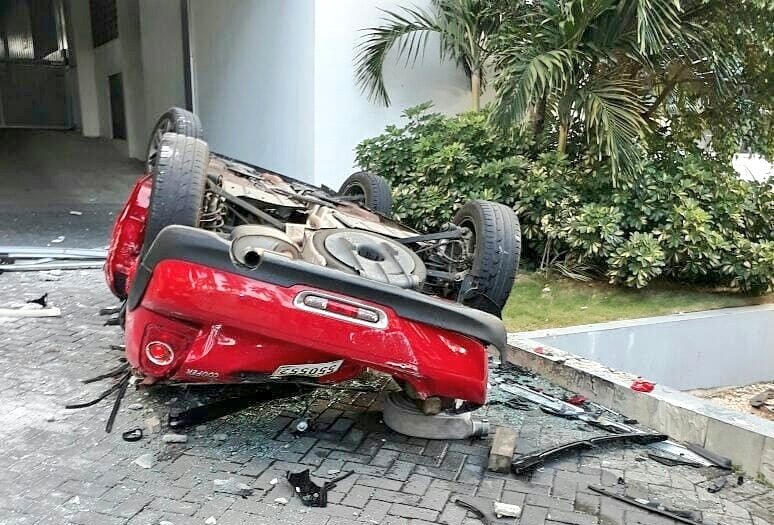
{"points": [[193, 315]]}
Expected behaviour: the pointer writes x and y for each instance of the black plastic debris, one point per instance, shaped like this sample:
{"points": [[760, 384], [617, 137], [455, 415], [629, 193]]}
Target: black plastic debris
{"points": [[42, 300], [132, 435], [527, 462], [716, 459], [717, 485], [311, 494]]}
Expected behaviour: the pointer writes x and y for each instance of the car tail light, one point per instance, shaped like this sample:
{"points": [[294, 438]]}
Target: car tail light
{"points": [[159, 353], [341, 309], [163, 348]]}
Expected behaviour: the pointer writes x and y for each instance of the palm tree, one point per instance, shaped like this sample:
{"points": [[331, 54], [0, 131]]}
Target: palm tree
{"points": [[464, 28], [601, 68]]}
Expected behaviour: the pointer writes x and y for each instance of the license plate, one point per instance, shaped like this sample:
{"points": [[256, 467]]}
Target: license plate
{"points": [[308, 370]]}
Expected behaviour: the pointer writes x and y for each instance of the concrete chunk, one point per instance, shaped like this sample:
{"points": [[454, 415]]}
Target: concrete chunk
{"points": [[503, 447]]}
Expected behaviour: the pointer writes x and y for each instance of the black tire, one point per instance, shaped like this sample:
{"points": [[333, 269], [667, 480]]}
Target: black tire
{"points": [[375, 190], [496, 244], [174, 120], [179, 180]]}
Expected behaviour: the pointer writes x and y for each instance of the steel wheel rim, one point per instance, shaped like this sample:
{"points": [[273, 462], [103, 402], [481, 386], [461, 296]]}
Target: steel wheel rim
{"points": [[153, 149]]}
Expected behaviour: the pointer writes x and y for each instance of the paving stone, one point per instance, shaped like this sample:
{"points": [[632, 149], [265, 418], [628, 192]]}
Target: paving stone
{"points": [[417, 484], [398, 480], [412, 512]]}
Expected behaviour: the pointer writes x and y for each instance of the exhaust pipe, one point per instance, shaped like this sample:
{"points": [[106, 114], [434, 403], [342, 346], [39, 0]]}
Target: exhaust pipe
{"points": [[402, 416]]}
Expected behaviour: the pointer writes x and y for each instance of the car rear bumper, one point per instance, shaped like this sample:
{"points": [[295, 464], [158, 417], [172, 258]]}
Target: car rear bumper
{"points": [[230, 322]]}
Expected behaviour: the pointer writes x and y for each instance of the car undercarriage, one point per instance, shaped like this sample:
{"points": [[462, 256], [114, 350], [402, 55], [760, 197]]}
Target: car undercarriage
{"points": [[230, 274]]}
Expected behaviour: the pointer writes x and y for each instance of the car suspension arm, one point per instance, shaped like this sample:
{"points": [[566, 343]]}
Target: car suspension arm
{"points": [[246, 206]]}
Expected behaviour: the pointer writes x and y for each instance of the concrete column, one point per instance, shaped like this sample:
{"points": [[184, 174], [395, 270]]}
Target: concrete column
{"points": [[132, 74], [81, 45]]}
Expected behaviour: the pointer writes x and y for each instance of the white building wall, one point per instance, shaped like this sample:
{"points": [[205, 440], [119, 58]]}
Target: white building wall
{"points": [[254, 80], [94, 66], [161, 35], [343, 116]]}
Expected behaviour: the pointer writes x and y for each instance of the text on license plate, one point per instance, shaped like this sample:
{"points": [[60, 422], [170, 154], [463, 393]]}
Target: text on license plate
{"points": [[308, 370]]}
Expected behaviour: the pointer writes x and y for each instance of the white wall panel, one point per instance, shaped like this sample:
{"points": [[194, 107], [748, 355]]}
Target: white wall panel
{"points": [[254, 80]]}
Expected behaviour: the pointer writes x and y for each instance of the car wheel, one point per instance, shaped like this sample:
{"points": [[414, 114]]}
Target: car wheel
{"points": [[179, 181], [374, 190], [495, 246], [174, 120]]}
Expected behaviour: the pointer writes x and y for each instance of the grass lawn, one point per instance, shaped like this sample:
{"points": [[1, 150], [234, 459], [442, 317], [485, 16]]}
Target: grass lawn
{"points": [[572, 302]]}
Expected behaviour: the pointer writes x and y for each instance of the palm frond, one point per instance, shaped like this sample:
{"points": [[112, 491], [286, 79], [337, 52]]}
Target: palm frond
{"points": [[521, 84], [613, 118], [658, 21], [407, 29]]}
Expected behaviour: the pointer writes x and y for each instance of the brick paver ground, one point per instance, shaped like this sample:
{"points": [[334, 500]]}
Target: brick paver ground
{"points": [[59, 466]]}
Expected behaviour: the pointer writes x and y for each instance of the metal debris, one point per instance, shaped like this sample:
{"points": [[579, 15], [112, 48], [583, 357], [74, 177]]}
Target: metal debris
{"points": [[671, 460], [527, 462], [27, 312], [650, 506], [36, 252], [557, 406], [482, 509], [37, 267], [715, 459]]}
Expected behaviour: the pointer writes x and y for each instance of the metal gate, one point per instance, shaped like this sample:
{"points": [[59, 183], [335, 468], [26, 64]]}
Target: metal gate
{"points": [[34, 68]]}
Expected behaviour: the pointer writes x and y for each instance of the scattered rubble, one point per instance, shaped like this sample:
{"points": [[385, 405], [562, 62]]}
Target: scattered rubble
{"points": [[503, 448], [506, 510], [231, 486], [152, 424], [742, 398], [655, 507], [145, 461], [174, 438]]}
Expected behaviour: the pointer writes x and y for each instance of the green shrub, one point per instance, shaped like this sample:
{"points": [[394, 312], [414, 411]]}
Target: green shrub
{"points": [[637, 261], [684, 215]]}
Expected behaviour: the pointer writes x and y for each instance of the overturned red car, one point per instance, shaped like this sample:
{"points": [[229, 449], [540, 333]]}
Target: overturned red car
{"points": [[231, 275]]}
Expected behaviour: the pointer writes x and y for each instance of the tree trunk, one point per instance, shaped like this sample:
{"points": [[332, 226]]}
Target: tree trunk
{"points": [[561, 147], [475, 88], [539, 118]]}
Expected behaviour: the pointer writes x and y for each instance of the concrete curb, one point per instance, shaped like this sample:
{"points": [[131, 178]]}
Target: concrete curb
{"points": [[744, 438]]}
